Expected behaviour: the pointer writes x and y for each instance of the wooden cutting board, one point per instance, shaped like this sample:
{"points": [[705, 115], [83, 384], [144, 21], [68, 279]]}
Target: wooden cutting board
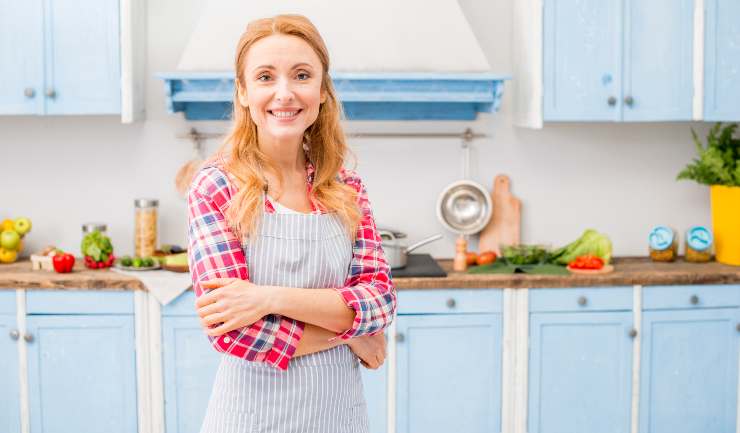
{"points": [[504, 226]]}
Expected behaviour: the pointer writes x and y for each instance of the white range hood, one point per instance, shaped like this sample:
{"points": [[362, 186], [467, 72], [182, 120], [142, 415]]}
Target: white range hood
{"points": [[408, 59]]}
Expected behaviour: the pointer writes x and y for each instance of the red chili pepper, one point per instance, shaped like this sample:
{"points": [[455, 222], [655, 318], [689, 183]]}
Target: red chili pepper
{"points": [[63, 262]]}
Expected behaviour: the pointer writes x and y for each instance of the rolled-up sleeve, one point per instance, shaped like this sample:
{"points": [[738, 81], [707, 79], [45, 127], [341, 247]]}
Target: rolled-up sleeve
{"points": [[369, 289], [216, 252]]}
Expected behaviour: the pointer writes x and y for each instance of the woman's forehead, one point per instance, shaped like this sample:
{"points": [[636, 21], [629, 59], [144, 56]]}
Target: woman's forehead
{"points": [[281, 52]]}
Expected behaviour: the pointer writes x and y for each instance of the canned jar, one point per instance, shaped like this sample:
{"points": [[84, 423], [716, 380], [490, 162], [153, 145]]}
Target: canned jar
{"points": [[663, 244], [91, 227], [145, 227], [698, 244]]}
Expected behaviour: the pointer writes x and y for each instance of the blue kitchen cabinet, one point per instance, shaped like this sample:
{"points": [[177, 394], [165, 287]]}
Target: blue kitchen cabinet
{"points": [[375, 387], [689, 365], [81, 361], [9, 382], [603, 60], [60, 57], [722, 60], [21, 57], [449, 373], [580, 360]]}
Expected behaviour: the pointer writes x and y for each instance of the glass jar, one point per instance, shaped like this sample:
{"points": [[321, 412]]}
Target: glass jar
{"points": [[698, 244], [91, 227], [145, 227], [663, 244]]}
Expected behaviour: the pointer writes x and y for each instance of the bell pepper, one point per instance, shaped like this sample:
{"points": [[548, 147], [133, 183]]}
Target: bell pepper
{"points": [[63, 262]]}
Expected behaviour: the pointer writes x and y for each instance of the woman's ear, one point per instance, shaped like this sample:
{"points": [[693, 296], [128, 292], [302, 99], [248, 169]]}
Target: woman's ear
{"points": [[241, 94], [323, 95]]}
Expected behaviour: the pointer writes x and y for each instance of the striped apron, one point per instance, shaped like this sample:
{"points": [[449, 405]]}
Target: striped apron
{"points": [[319, 393]]}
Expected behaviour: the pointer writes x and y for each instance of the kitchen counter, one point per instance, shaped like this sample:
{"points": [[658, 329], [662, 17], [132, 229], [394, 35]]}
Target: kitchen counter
{"points": [[628, 271]]}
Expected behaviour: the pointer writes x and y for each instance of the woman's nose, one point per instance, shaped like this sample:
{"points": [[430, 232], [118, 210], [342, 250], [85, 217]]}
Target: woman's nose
{"points": [[284, 90]]}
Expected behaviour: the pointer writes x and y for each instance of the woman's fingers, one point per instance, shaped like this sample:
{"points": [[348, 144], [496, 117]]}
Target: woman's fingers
{"points": [[217, 282]]}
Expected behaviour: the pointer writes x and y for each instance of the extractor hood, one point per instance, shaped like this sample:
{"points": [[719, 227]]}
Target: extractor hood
{"points": [[391, 60]]}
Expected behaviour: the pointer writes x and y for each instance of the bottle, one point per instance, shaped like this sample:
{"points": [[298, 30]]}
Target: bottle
{"points": [[145, 227], [698, 244], [663, 244]]}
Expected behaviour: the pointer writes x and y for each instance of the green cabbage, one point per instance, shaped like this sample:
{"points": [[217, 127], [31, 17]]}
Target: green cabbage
{"points": [[591, 242]]}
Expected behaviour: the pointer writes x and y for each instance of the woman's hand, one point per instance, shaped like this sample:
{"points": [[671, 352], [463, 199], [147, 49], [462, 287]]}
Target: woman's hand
{"points": [[370, 349], [233, 304]]}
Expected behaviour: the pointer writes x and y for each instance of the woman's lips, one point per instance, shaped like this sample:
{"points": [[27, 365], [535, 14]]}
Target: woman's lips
{"points": [[285, 115]]}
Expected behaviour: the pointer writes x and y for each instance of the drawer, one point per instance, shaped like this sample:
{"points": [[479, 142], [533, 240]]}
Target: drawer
{"points": [[581, 299], [450, 301], [7, 301], [79, 302], [690, 297], [183, 305]]}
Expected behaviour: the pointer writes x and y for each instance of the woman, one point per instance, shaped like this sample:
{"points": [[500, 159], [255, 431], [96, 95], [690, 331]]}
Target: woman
{"points": [[275, 213]]}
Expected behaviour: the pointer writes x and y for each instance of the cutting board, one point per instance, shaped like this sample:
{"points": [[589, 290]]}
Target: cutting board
{"points": [[504, 226]]}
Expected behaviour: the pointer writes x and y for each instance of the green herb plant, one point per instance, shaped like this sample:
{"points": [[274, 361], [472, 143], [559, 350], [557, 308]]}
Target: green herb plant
{"points": [[718, 163]]}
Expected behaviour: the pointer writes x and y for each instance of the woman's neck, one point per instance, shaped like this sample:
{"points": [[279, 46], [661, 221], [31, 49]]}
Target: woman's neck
{"points": [[287, 154]]}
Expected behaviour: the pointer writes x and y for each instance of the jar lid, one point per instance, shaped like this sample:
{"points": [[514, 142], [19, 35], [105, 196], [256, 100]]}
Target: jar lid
{"points": [[91, 227], [146, 202], [699, 238], [661, 237]]}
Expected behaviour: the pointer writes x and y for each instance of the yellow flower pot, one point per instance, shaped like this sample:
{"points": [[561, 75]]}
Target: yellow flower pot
{"points": [[726, 223]]}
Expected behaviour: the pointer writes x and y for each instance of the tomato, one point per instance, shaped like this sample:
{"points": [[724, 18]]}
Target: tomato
{"points": [[486, 257], [587, 262], [471, 258]]}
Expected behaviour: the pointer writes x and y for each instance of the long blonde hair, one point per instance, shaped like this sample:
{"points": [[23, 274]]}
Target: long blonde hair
{"points": [[327, 145]]}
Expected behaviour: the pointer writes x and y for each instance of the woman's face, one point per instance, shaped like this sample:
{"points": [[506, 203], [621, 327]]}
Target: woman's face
{"points": [[282, 75]]}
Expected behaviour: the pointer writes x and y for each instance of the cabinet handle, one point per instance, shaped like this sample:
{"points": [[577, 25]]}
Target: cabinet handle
{"points": [[582, 301], [14, 334], [28, 338], [29, 92], [694, 300], [737, 327], [51, 93], [633, 333], [612, 101], [629, 101], [451, 303], [400, 338]]}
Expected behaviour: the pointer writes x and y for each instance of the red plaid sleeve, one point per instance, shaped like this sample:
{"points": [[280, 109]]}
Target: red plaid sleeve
{"points": [[369, 289], [216, 252]]}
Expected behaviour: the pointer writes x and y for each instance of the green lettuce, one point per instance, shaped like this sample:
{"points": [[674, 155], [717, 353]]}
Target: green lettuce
{"points": [[97, 246], [591, 242]]}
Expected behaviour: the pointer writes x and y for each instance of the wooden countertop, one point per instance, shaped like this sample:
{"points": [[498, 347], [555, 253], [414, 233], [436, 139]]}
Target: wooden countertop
{"points": [[628, 271]]}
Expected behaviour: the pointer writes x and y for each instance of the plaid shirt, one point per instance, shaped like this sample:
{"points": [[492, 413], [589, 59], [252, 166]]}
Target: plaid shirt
{"points": [[216, 252]]}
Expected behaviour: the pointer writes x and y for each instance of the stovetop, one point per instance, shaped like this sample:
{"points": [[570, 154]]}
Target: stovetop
{"points": [[419, 265]]}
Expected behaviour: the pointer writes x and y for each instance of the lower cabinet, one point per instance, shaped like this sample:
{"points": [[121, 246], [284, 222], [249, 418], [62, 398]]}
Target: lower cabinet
{"points": [[375, 386], [10, 419]]}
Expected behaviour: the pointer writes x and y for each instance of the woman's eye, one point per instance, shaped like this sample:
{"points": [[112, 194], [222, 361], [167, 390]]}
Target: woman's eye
{"points": [[263, 77], [302, 76]]}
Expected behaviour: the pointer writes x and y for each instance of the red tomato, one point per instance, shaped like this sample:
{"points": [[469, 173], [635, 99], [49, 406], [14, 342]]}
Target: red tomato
{"points": [[471, 258], [587, 262], [486, 257]]}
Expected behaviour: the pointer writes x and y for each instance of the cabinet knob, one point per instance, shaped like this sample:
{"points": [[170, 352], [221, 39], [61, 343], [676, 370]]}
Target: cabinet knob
{"points": [[629, 101], [28, 338], [582, 301], [14, 334], [400, 338], [29, 92], [694, 300], [51, 93], [633, 333], [612, 101], [737, 327], [451, 303]]}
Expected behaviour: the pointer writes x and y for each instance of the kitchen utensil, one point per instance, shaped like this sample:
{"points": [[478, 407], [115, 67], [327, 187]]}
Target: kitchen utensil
{"points": [[464, 207], [504, 226], [395, 252]]}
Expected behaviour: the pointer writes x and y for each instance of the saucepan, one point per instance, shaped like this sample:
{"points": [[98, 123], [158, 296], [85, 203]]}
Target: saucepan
{"points": [[395, 252]]}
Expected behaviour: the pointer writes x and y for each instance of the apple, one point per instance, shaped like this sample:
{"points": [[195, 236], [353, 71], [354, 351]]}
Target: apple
{"points": [[9, 239], [22, 225]]}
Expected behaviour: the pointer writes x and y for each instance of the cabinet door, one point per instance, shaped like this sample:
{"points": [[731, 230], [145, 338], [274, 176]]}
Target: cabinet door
{"points": [[375, 385], [190, 364], [722, 60], [580, 368], [582, 60], [21, 57], [658, 61], [82, 374], [9, 384], [449, 373], [689, 371], [82, 57]]}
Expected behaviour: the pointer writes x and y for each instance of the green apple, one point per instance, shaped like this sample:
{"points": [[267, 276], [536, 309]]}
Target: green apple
{"points": [[9, 239], [22, 225]]}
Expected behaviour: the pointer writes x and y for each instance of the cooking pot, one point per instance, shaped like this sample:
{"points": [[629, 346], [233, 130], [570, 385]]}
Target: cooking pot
{"points": [[395, 252]]}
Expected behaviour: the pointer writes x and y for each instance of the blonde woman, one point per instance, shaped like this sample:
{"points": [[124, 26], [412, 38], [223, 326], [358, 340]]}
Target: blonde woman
{"points": [[290, 277]]}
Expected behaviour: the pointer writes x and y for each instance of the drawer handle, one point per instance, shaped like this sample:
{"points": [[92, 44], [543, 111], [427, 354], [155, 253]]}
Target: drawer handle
{"points": [[451, 303], [738, 327], [612, 101], [400, 338], [51, 93], [582, 301], [14, 334], [29, 92], [629, 101], [633, 333], [28, 338], [694, 300]]}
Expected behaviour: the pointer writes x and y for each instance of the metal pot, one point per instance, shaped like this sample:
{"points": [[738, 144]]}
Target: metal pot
{"points": [[395, 252]]}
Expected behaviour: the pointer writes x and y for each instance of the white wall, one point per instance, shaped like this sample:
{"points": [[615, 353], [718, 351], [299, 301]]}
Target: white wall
{"points": [[619, 179]]}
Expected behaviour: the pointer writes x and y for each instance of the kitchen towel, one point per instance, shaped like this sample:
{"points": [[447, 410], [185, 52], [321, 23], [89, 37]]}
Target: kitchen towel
{"points": [[164, 285]]}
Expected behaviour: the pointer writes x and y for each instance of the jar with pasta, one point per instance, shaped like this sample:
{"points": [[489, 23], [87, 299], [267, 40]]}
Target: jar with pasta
{"points": [[698, 244], [145, 227], [663, 244]]}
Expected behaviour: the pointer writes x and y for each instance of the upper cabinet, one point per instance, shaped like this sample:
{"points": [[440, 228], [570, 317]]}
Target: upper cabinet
{"points": [[76, 57], [607, 61], [722, 60]]}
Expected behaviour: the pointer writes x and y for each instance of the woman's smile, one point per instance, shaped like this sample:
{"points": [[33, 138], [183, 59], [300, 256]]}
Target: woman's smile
{"points": [[285, 115]]}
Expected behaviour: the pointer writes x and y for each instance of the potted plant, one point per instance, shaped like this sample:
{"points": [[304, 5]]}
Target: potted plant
{"points": [[718, 165]]}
